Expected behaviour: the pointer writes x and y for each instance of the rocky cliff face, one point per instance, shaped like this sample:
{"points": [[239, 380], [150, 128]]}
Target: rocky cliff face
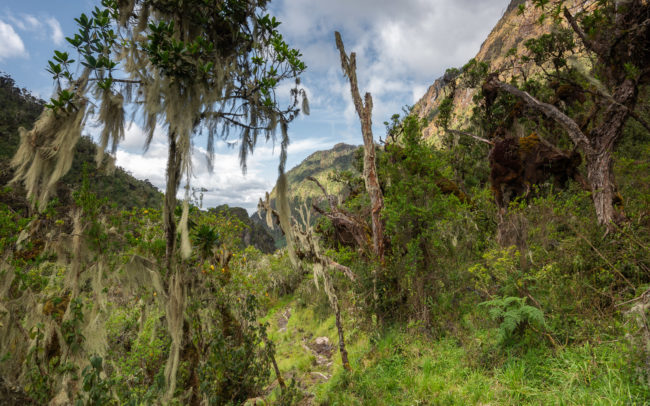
{"points": [[510, 32]]}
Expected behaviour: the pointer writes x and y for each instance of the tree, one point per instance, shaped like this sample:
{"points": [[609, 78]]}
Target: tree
{"points": [[364, 110], [615, 37], [187, 65]]}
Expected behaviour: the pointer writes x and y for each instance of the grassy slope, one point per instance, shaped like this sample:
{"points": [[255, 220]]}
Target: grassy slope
{"points": [[319, 165], [403, 366]]}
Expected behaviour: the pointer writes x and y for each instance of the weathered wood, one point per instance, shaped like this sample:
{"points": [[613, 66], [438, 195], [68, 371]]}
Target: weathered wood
{"points": [[364, 110]]}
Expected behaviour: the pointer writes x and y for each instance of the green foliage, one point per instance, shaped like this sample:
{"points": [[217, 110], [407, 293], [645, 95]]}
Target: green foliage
{"points": [[551, 47], [19, 109], [236, 364], [513, 315], [206, 238], [71, 328], [11, 224], [96, 391], [196, 45], [473, 73], [39, 385], [444, 112], [137, 353], [423, 214]]}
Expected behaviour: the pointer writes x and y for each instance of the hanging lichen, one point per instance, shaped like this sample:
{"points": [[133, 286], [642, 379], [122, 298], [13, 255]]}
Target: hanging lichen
{"points": [[46, 152], [111, 117]]}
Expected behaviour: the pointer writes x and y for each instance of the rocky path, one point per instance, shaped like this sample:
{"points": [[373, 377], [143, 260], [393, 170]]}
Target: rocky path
{"points": [[321, 350]]}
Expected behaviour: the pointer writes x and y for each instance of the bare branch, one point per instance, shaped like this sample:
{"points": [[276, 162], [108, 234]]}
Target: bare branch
{"points": [[369, 165], [592, 46], [349, 65], [331, 199], [335, 265], [115, 80], [476, 137]]}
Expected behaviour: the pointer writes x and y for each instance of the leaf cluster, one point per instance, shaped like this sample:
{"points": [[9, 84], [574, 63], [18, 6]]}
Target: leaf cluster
{"points": [[513, 315]]}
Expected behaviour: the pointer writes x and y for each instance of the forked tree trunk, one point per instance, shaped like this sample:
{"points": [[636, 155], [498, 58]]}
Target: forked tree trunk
{"points": [[364, 110]]}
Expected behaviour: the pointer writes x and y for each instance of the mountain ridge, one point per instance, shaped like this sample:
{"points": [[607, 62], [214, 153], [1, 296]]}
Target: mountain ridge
{"points": [[511, 30]]}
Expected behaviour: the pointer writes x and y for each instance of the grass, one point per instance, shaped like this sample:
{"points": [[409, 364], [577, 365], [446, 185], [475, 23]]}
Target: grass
{"points": [[403, 367]]}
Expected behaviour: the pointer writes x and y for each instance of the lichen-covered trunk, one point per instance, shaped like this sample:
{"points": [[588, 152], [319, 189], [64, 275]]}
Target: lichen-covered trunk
{"points": [[176, 296], [372, 181], [600, 171], [364, 110], [174, 311], [173, 180], [603, 186]]}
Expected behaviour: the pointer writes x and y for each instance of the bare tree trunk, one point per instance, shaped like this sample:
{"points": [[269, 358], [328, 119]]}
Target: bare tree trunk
{"points": [[600, 169], [364, 110]]}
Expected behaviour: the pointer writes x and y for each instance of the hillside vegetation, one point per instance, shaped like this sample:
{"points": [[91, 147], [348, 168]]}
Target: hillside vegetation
{"points": [[495, 277]]}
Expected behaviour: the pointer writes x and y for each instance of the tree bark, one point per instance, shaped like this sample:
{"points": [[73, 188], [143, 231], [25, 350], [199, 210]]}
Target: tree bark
{"points": [[173, 180], [603, 187], [176, 304], [342, 350], [364, 110], [599, 163]]}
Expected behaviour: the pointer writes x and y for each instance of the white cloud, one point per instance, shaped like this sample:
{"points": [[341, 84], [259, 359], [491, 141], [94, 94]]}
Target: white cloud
{"points": [[402, 47], [57, 33], [11, 45], [45, 28], [225, 184], [26, 22]]}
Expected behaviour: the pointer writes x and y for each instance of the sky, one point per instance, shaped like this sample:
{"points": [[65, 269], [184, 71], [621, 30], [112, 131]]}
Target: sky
{"points": [[402, 47]]}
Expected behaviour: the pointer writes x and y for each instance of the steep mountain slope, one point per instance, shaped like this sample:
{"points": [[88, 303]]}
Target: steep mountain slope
{"points": [[510, 32]]}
